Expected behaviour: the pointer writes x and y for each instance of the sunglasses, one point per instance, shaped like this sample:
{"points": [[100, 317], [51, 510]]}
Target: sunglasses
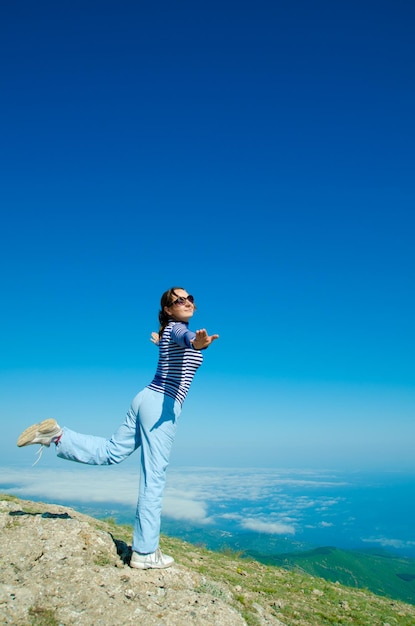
{"points": [[182, 301]]}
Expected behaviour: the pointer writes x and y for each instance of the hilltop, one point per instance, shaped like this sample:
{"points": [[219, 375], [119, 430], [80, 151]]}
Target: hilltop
{"points": [[60, 567]]}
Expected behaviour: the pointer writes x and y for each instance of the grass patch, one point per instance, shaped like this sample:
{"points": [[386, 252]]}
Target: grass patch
{"points": [[7, 498], [40, 616], [212, 589]]}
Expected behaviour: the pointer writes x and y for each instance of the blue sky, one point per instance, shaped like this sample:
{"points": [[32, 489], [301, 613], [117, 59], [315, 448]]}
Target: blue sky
{"points": [[259, 154]]}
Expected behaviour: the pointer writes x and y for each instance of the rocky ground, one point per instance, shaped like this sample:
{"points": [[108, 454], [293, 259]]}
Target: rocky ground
{"points": [[58, 568]]}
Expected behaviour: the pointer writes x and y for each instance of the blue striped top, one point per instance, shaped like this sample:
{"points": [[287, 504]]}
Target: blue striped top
{"points": [[178, 361]]}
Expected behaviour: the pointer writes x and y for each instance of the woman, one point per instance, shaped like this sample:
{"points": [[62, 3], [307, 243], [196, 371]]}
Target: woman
{"points": [[150, 424]]}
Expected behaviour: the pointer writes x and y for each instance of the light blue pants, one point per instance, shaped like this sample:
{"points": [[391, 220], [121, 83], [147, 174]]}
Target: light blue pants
{"points": [[151, 425]]}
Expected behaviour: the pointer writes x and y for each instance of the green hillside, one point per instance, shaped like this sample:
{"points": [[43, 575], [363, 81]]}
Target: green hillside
{"points": [[381, 573]]}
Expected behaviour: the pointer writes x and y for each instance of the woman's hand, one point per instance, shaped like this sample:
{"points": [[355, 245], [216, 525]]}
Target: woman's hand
{"points": [[202, 339], [154, 337]]}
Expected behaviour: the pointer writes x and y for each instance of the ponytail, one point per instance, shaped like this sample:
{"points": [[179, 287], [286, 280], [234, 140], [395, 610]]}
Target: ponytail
{"points": [[166, 301]]}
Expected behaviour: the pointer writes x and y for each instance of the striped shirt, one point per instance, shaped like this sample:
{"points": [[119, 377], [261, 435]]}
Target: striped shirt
{"points": [[178, 361]]}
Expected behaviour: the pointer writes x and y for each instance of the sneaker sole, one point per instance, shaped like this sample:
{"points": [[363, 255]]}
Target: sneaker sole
{"points": [[30, 433], [138, 566], [144, 566]]}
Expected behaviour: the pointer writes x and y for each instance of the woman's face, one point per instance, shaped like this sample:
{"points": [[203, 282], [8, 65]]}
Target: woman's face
{"points": [[181, 308]]}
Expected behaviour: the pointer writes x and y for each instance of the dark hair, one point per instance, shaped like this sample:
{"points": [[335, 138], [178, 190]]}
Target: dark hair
{"points": [[166, 300]]}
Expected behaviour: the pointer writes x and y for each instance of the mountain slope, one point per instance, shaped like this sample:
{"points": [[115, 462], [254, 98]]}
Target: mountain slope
{"points": [[61, 567], [381, 573]]}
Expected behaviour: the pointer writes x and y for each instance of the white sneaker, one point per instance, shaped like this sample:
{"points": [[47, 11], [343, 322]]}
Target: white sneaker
{"points": [[154, 560], [44, 433]]}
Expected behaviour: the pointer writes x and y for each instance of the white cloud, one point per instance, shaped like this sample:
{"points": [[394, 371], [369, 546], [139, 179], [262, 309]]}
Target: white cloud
{"points": [[97, 485], [270, 528], [231, 516], [88, 486], [389, 543], [189, 491], [185, 509], [217, 484]]}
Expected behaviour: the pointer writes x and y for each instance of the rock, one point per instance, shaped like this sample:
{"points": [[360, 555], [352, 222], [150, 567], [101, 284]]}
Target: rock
{"points": [[58, 567]]}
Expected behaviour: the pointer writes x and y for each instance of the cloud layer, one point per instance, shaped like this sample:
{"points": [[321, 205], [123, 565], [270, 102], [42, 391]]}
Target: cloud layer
{"points": [[316, 507]]}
